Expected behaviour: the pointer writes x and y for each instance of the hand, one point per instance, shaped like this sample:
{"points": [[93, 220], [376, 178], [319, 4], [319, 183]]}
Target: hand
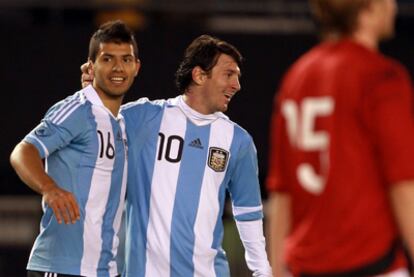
{"points": [[87, 74], [63, 204]]}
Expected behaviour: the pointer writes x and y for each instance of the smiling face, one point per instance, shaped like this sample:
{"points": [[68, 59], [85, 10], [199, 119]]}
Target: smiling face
{"points": [[220, 85], [115, 68]]}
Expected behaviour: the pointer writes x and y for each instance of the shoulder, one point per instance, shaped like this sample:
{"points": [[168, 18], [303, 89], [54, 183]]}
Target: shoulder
{"points": [[376, 64], [303, 65], [72, 106], [143, 104], [142, 109], [240, 135], [392, 67], [336, 57], [384, 70]]}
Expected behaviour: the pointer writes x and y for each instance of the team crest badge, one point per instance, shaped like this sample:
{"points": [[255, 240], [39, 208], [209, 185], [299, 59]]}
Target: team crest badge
{"points": [[217, 159]]}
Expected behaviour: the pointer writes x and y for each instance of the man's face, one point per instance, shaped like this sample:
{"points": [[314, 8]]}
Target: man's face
{"points": [[114, 69], [221, 85]]}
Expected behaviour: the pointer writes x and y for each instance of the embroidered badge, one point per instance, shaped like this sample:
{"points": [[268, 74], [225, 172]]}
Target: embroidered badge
{"points": [[217, 159]]}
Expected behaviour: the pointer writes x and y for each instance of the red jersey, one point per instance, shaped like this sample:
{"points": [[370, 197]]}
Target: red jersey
{"points": [[342, 132]]}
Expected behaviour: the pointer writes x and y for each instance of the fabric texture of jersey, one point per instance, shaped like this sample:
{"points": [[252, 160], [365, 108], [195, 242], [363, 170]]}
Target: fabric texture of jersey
{"points": [[85, 150], [342, 133], [181, 164]]}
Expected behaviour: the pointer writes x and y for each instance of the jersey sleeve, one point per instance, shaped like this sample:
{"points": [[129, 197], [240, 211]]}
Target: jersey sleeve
{"points": [[388, 115], [60, 125], [244, 185]]}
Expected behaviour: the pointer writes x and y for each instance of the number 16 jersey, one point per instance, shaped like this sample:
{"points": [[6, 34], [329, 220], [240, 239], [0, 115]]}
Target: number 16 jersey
{"points": [[85, 150]]}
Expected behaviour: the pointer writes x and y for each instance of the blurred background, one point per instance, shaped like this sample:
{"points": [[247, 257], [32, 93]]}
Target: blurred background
{"points": [[44, 42]]}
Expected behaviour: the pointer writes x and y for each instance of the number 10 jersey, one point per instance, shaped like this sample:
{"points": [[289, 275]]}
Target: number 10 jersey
{"points": [[181, 165]]}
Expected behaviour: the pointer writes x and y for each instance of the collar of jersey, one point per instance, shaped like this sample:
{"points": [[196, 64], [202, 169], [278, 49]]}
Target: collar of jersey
{"points": [[196, 117], [93, 97]]}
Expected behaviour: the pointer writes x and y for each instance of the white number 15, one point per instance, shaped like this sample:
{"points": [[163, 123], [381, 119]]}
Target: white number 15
{"points": [[300, 120]]}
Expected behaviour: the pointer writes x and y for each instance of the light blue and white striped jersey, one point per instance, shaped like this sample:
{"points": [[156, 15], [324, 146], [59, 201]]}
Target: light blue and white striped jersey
{"points": [[180, 165], [85, 148]]}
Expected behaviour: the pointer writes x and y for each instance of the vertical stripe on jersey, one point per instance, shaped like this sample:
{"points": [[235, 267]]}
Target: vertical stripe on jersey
{"points": [[186, 200], [97, 198], [172, 127], [220, 262], [221, 135], [121, 207], [115, 205]]}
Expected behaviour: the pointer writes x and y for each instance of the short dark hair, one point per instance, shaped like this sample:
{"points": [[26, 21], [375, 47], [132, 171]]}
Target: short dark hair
{"points": [[204, 52], [112, 31]]}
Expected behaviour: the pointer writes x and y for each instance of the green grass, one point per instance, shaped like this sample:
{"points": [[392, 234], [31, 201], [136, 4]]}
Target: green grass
{"points": [[234, 250]]}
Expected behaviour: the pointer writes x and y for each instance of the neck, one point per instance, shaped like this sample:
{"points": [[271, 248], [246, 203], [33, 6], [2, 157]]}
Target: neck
{"points": [[361, 37], [196, 103], [368, 39], [112, 103], [366, 30]]}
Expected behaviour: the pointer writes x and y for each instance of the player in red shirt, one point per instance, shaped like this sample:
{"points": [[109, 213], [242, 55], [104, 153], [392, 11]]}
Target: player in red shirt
{"points": [[341, 173]]}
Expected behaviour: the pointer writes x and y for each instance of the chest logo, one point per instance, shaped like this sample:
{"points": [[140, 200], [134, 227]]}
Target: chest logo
{"points": [[196, 143], [217, 159]]}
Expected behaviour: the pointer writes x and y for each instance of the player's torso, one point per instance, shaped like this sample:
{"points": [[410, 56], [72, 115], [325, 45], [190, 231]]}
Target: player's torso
{"points": [[93, 167], [332, 166], [181, 182]]}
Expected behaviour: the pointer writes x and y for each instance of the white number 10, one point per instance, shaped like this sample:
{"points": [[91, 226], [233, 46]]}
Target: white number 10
{"points": [[302, 135]]}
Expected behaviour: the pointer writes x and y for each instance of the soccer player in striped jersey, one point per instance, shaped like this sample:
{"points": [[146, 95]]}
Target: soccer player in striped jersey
{"points": [[342, 155], [83, 184], [184, 155]]}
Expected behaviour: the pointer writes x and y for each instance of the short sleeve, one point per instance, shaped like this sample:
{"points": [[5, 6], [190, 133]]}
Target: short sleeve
{"points": [[244, 185], [58, 128]]}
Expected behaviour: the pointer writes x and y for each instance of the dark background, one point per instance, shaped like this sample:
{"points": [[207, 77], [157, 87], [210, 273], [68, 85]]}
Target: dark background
{"points": [[43, 44]]}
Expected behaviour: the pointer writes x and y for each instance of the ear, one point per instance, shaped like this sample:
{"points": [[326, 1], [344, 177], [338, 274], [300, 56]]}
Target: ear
{"points": [[90, 66], [138, 67], [199, 75]]}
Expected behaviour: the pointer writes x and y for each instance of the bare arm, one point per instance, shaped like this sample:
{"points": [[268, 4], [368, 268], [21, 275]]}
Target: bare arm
{"points": [[277, 229], [28, 165], [402, 201]]}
